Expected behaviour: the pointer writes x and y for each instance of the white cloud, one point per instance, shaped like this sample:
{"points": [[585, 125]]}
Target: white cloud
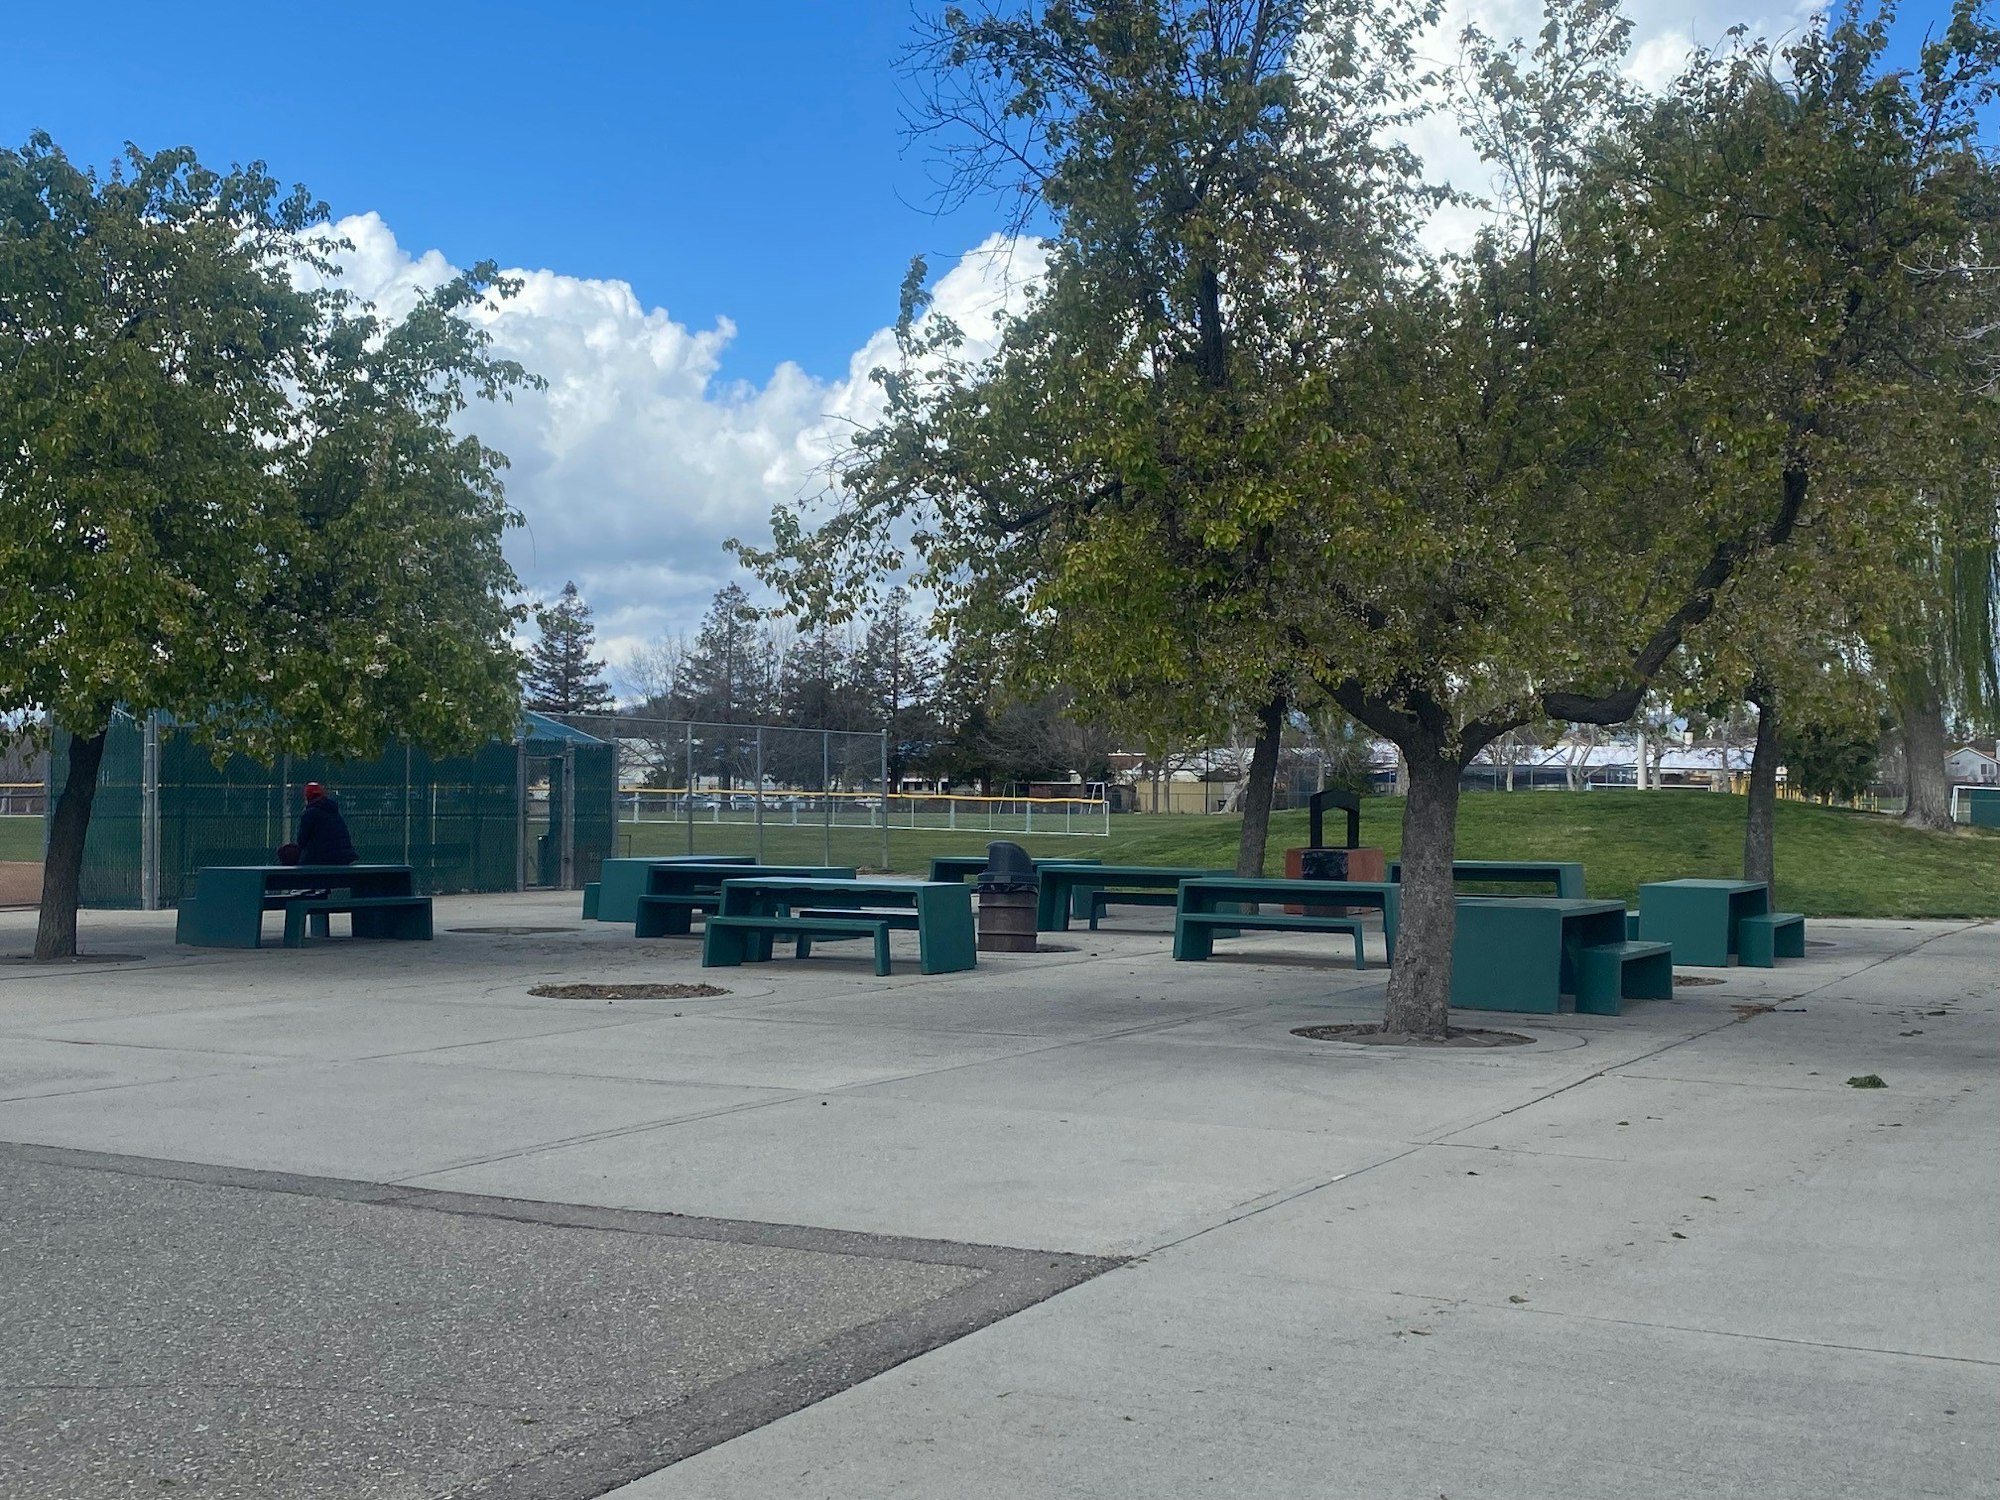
{"points": [[1664, 33], [637, 462]]}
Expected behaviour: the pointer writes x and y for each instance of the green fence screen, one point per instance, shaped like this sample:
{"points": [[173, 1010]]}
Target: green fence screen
{"points": [[461, 821]]}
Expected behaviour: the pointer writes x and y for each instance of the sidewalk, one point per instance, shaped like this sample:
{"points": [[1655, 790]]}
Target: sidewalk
{"points": [[1669, 1253]]}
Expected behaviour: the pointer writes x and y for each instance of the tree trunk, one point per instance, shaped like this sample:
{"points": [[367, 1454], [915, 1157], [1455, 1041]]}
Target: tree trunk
{"points": [[1918, 705], [1420, 983], [1759, 832], [1257, 795], [62, 868]]}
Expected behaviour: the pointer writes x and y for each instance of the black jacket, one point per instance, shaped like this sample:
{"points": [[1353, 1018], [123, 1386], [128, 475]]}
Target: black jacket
{"points": [[323, 835]]}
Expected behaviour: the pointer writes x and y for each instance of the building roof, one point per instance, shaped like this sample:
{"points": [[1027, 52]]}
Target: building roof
{"points": [[536, 726]]}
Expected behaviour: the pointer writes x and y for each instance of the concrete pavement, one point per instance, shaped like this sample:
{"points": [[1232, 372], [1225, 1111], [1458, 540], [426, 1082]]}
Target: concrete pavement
{"points": [[1660, 1254]]}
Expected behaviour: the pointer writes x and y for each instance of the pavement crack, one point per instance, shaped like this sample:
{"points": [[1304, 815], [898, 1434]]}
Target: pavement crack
{"points": [[1759, 1338]]}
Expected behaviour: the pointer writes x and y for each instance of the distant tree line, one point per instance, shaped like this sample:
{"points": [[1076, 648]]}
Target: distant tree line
{"points": [[948, 715]]}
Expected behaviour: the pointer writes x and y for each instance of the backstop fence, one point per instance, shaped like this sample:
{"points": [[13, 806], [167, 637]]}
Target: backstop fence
{"points": [[788, 795], [534, 812]]}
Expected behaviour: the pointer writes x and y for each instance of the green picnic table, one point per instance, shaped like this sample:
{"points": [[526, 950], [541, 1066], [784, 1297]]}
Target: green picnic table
{"points": [[1702, 919], [1566, 875], [675, 891], [1062, 883], [621, 882], [1524, 953], [226, 909], [758, 909], [1222, 905], [967, 866]]}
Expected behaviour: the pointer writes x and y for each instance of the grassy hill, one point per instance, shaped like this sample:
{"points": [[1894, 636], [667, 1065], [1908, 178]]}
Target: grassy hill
{"points": [[1831, 861]]}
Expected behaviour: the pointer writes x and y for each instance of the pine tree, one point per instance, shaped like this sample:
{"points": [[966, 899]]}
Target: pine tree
{"points": [[562, 676], [896, 669], [723, 680]]}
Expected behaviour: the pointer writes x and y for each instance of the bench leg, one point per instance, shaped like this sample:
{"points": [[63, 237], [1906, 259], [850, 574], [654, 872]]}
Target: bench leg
{"points": [[1753, 946], [1599, 978], [805, 946], [882, 950], [1193, 941], [721, 947], [1360, 960], [1791, 942], [295, 927], [322, 924]]}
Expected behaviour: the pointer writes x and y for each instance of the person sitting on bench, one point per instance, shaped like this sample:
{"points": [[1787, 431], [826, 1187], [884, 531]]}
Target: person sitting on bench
{"points": [[323, 836]]}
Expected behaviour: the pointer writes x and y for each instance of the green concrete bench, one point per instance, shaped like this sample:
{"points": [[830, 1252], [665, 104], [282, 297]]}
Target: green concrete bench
{"points": [[402, 918], [730, 941], [1195, 931], [1099, 900], [1608, 973], [1762, 941], [900, 919]]}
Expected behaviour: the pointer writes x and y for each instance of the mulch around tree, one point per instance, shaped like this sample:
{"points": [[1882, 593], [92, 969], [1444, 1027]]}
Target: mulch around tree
{"points": [[1375, 1036], [626, 991]]}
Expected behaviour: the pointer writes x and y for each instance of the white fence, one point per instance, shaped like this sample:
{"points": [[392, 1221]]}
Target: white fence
{"points": [[944, 811]]}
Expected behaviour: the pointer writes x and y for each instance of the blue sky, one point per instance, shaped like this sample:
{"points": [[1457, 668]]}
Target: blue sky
{"points": [[713, 205], [725, 159]]}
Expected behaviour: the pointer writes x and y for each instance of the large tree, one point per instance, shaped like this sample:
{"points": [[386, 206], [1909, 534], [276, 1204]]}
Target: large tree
{"points": [[1101, 496], [226, 494], [562, 676], [1451, 501]]}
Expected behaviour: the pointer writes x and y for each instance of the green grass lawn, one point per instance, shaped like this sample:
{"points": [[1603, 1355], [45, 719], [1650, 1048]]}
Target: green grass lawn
{"points": [[1831, 862], [21, 838]]}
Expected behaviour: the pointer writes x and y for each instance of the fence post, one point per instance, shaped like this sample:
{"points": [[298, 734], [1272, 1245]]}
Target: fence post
{"points": [[826, 794], [408, 766], [520, 814], [569, 817], [885, 799], [757, 807], [149, 816], [688, 800]]}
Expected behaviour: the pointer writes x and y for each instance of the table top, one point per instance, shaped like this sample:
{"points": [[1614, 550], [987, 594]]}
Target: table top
{"points": [[843, 883], [1293, 887], [1573, 906], [1507, 864], [1706, 885], [316, 872], [1136, 872], [745, 872], [978, 861]]}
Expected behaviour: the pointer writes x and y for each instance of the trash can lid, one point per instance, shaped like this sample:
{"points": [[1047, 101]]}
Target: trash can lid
{"points": [[1008, 865]]}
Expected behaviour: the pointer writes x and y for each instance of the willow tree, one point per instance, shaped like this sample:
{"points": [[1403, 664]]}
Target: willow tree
{"points": [[1941, 651], [227, 494]]}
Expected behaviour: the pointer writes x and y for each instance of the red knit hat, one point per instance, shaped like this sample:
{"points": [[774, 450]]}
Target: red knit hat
{"points": [[314, 791]]}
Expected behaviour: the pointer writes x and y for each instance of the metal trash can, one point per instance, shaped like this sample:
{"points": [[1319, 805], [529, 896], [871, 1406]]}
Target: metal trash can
{"points": [[1009, 897]]}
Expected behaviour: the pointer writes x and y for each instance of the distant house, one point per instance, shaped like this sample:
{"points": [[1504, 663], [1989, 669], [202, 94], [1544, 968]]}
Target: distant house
{"points": [[1968, 765]]}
